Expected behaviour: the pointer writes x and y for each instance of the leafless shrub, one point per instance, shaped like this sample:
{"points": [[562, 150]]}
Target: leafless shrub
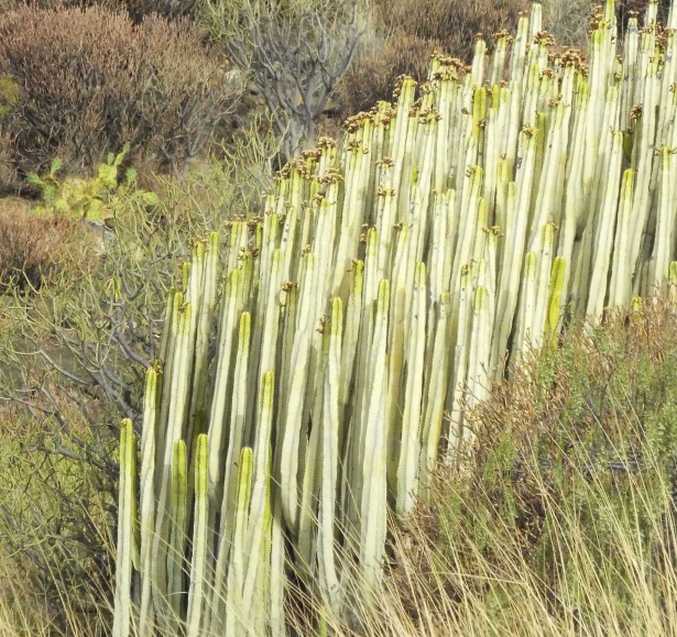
{"points": [[568, 20], [295, 51]]}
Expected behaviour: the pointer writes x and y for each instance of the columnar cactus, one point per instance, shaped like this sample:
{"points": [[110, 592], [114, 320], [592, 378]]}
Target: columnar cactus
{"points": [[320, 359]]}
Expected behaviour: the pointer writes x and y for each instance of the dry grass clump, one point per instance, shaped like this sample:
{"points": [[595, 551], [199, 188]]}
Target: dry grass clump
{"points": [[91, 80]]}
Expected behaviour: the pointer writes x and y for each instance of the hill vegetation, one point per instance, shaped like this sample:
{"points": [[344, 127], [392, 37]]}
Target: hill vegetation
{"points": [[417, 378]]}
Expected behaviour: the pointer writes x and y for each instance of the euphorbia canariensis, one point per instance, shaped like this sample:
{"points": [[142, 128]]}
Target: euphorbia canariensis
{"points": [[318, 360]]}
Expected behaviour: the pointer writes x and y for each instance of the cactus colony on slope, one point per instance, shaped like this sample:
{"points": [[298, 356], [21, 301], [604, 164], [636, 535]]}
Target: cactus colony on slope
{"points": [[315, 367]]}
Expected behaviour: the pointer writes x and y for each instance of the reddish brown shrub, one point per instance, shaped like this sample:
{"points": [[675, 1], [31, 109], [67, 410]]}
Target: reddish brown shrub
{"points": [[91, 81], [374, 75], [406, 32], [33, 248], [452, 23]]}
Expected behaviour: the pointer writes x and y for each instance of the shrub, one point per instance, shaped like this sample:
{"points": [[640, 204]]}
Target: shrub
{"points": [[454, 24], [568, 21], [90, 199], [32, 248], [138, 9], [404, 35], [92, 81], [373, 76], [294, 52]]}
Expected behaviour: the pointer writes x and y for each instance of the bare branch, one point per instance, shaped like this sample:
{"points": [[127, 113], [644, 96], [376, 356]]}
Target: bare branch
{"points": [[295, 52]]}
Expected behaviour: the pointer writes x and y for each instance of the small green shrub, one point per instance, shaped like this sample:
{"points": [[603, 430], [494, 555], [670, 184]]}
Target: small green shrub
{"points": [[89, 199]]}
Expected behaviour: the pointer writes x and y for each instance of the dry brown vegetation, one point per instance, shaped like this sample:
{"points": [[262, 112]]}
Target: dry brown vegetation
{"points": [[373, 76], [404, 35], [32, 248], [91, 81], [452, 24], [137, 9]]}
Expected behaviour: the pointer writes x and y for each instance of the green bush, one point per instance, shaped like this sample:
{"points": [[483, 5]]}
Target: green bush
{"points": [[91, 81], [89, 199]]}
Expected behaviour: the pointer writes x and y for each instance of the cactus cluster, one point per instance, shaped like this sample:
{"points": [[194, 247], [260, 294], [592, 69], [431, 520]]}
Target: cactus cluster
{"points": [[316, 365]]}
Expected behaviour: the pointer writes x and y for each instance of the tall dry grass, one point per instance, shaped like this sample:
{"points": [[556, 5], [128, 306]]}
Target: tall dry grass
{"points": [[559, 521], [562, 520]]}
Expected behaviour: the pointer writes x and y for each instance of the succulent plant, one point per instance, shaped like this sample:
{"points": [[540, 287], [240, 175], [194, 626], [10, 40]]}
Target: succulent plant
{"points": [[317, 361], [88, 198]]}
